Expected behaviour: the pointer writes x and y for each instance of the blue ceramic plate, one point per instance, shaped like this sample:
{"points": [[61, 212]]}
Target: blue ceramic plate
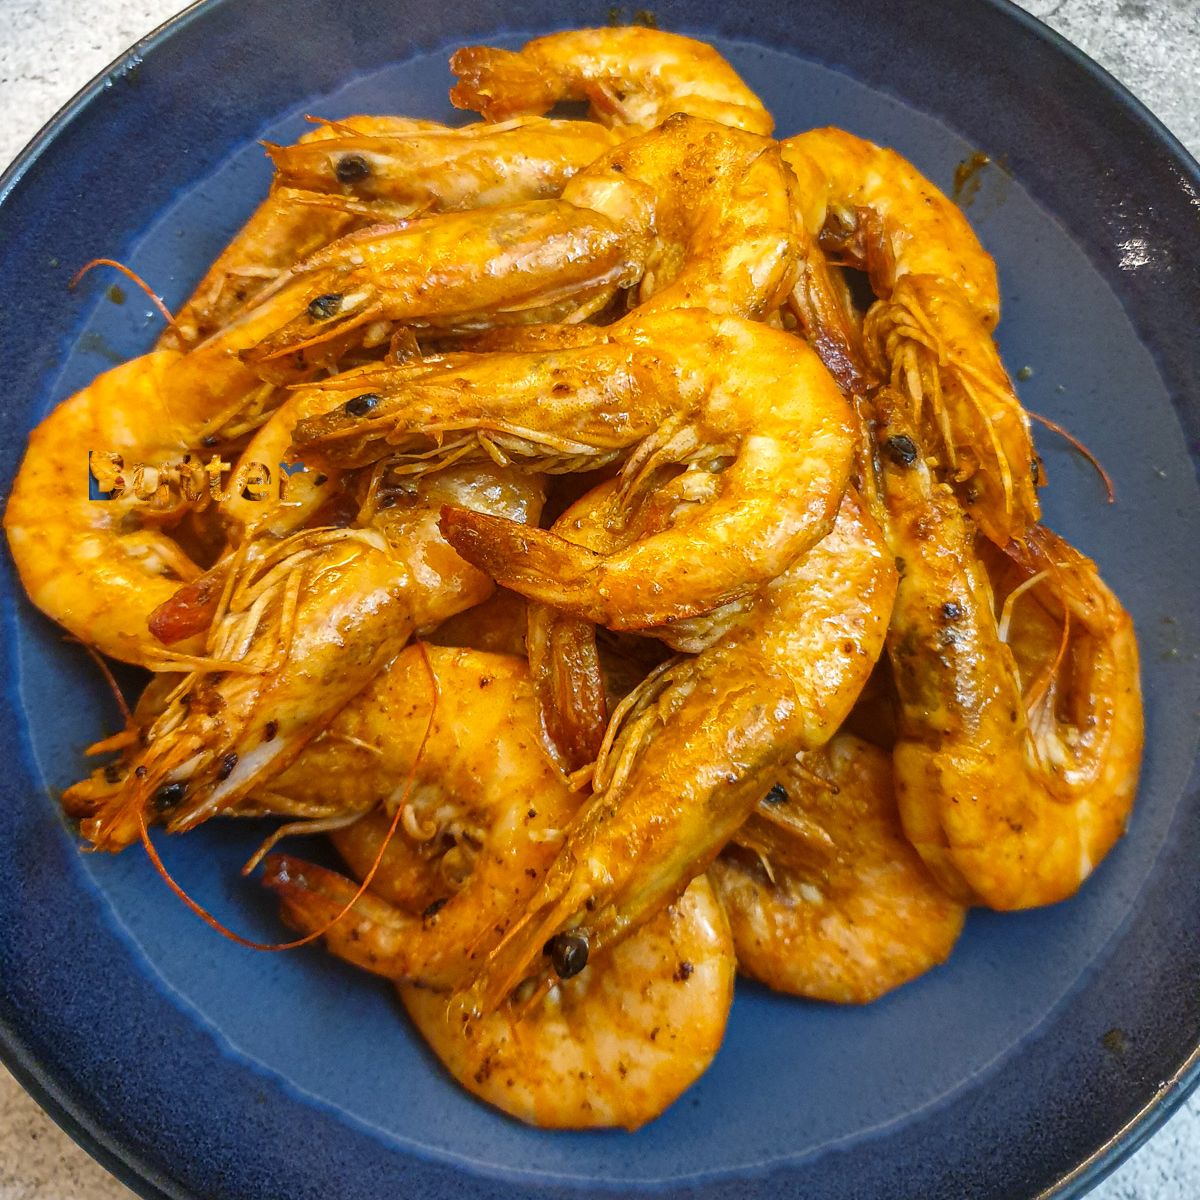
{"points": [[1053, 1041]]}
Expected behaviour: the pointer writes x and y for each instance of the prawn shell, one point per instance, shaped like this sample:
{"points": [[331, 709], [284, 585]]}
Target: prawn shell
{"points": [[849, 911], [613, 1046]]}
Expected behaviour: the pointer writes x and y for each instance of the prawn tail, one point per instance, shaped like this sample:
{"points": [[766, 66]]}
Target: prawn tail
{"points": [[499, 84], [357, 926], [565, 667], [538, 564]]}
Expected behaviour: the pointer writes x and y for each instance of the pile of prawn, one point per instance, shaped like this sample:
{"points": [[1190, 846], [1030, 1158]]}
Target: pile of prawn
{"points": [[627, 607]]}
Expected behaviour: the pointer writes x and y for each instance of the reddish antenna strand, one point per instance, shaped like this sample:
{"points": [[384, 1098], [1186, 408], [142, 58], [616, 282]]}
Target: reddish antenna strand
{"points": [[134, 277], [1076, 444]]}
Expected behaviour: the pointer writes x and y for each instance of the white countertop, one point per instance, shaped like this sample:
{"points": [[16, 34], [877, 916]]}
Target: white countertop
{"points": [[51, 48]]}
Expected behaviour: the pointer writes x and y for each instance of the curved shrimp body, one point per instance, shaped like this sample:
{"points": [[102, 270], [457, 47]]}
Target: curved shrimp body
{"points": [[304, 625], [930, 331], [405, 172], [825, 896], [720, 208], [613, 1046], [100, 568], [479, 781], [758, 485], [883, 216], [701, 742], [633, 78], [543, 260], [1012, 784]]}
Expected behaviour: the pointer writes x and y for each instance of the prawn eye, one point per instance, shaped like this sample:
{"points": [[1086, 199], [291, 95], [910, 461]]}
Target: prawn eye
{"points": [[568, 952], [359, 406], [777, 795], [351, 168], [169, 795], [901, 450], [326, 306]]}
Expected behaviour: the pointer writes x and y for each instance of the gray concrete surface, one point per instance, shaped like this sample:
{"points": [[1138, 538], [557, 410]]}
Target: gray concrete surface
{"points": [[50, 48]]}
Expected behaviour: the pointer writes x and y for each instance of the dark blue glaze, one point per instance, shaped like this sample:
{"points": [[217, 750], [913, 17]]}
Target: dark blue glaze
{"points": [[194, 1068]]}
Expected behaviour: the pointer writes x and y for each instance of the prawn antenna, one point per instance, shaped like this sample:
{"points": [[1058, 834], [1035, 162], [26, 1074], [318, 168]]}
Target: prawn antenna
{"points": [[113, 686], [272, 947], [1076, 444], [133, 277]]}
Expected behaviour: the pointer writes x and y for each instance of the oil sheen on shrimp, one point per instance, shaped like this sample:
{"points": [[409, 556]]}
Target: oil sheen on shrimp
{"points": [[280, 232], [826, 898], [543, 260], [732, 492], [307, 623], [633, 78], [99, 568], [930, 329], [484, 811], [614, 1045], [718, 205], [403, 172], [700, 743], [1013, 784]]}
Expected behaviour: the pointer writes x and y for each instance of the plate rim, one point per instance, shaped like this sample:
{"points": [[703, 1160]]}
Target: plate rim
{"points": [[122, 1161]]}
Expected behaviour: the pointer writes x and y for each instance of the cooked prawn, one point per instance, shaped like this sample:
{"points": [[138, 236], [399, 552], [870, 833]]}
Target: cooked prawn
{"points": [[721, 204], [930, 330], [1011, 786], [305, 624], [100, 568], [615, 1044], [544, 260], [482, 784], [719, 495], [403, 172], [280, 232], [825, 896], [633, 78], [700, 743]]}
